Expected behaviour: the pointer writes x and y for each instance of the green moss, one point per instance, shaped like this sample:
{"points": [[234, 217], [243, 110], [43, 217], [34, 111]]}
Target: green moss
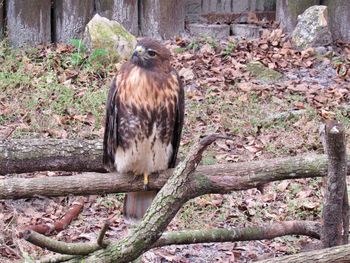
{"points": [[202, 181], [258, 70]]}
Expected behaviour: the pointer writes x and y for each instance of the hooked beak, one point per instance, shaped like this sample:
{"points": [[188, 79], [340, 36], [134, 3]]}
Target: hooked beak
{"points": [[138, 52]]}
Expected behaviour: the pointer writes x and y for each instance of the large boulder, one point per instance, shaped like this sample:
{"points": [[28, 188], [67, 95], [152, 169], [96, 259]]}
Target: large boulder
{"points": [[102, 33], [312, 29]]}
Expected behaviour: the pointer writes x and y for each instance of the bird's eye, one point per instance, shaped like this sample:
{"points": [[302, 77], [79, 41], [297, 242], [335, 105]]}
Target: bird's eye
{"points": [[152, 53]]}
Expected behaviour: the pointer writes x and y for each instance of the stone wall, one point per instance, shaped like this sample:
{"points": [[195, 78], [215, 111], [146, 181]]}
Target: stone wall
{"points": [[196, 8]]}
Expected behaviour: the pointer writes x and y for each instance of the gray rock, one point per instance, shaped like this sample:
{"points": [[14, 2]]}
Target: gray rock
{"points": [[312, 29], [246, 31], [215, 31], [102, 33], [321, 50]]}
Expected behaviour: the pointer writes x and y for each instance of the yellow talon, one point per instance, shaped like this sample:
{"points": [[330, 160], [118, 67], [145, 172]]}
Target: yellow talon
{"points": [[145, 181]]}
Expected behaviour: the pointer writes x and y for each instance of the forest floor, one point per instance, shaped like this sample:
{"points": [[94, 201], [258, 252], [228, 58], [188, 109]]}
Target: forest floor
{"points": [[60, 92]]}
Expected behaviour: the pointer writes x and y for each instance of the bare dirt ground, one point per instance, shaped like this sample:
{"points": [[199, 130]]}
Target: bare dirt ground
{"points": [[60, 91]]}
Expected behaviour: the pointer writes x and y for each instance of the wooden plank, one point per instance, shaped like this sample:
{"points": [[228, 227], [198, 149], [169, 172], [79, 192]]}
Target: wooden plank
{"points": [[70, 18], [28, 24], [339, 19], [123, 11], [162, 18], [2, 10]]}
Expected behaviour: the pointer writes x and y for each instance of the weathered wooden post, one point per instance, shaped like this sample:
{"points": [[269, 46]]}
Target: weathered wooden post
{"points": [[162, 18], [287, 11], [335, 214], [28, 24], [339, 16], [70, 18], [2, 10], [123, 11]]}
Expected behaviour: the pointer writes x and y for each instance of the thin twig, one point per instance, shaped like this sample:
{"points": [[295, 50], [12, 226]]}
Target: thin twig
{"points": [[101, 236]]}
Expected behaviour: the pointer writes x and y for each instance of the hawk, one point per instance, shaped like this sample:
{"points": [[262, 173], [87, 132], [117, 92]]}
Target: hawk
{"points": [[144, 119]]}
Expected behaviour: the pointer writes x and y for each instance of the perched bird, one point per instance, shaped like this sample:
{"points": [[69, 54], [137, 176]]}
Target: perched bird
{"points": [[144, 119]]}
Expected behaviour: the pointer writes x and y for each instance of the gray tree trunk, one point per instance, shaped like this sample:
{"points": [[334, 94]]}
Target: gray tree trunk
{"points": [[2, 10], [287, 11], [339, 16], [70, 18], [162, 18], [28, 24], [123, 11]]}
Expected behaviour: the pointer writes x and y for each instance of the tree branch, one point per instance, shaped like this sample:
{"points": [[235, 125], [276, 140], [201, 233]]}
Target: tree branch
{"points": [[222, 178], [166, 204], [270, 231]]}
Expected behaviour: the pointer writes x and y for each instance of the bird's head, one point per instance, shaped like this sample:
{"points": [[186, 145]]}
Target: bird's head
{"points": [[149, 53]]}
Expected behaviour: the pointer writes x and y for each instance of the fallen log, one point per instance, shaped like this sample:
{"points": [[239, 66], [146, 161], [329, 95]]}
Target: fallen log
{"points": [[222, 178], [340, 254], [24, 156]]}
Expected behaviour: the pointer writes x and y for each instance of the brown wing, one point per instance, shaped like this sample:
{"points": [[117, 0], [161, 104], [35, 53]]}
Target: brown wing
{"points": [[110, 140], [179, 120]]}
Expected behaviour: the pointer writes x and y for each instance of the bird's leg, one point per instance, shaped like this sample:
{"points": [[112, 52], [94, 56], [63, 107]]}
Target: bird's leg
{"points": [[145, 181], [135, 176]]}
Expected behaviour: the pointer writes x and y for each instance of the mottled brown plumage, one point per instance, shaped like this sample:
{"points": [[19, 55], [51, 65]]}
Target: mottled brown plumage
{"points": [[144, 118]]}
